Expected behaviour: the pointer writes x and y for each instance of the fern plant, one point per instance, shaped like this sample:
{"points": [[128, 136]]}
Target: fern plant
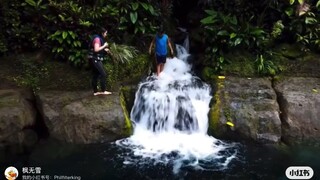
{"points": [[122, 53]]}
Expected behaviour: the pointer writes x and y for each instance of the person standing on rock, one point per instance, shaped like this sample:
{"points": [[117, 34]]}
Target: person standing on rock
{"points": [[97, 52], [161, 42]]}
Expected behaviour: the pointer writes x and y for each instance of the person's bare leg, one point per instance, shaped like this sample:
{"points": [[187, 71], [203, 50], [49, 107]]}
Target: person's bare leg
{"points": [[161, 67], [158, 69]]}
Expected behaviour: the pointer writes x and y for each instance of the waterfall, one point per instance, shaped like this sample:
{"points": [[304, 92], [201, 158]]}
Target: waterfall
{"points": [[170, 116], [182, 53], [186, 43]]}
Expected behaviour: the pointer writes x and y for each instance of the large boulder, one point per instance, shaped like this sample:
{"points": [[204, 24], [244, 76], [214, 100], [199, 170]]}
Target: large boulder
{"points": [[299, 99], [246, 108], [80, 117], [17, 117]]}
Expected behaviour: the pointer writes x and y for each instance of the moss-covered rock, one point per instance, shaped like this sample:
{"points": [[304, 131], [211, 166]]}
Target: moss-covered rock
{"points": [[81, 118], [245, 108], [289, 51], [128, 125], [240, 63], [128, 73]]}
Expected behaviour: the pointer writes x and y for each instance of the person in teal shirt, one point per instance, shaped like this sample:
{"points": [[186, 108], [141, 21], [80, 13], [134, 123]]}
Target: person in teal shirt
{"points": [[161, 41]]}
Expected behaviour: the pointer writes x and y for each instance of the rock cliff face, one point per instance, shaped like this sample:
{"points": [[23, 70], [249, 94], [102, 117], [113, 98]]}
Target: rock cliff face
{"points": [[72, 117], [80, 117], [256, 109], [250, 105], [287, 109], [17, 116], [299, 99]]}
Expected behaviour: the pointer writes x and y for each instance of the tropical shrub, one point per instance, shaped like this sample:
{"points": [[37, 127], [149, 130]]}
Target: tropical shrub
{"points": [[304, 22], [65, 27], [125, 65], [227, 33]]}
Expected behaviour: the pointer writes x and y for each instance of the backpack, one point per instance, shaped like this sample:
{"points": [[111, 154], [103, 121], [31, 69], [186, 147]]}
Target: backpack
{"points": [[91, 53]]}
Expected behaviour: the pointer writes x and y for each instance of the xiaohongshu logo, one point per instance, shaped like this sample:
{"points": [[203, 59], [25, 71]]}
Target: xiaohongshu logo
{"points": [[299, 172]]}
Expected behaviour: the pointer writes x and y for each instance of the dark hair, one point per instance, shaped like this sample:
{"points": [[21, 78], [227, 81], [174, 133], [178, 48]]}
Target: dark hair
{"points": [[160, 29], [102, 30], [99, 30]]}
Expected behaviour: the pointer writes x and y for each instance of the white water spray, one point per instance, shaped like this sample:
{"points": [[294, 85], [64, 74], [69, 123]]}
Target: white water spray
{"points": [[170, 116]]}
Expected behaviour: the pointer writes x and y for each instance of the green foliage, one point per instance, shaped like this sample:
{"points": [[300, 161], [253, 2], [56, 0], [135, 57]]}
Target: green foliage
{"points": [[305, 24], [136, 69], [66, 45], [242, 64], [11, 22], [122, 53], [226, 32], [277, 29], [137, 16], [267, 66], [31, 74], [64, 27], [125, 65], [310, 36], [256, 26]]}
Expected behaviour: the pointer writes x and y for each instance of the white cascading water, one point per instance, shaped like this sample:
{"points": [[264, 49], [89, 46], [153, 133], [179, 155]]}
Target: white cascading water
{"points": [[170, 117]]}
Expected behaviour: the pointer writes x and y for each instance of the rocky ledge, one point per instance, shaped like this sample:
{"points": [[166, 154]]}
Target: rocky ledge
{"points": [[72, 117], [262, 110]]}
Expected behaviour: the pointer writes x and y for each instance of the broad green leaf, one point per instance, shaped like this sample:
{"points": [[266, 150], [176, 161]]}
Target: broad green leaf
{"points": [[234, 20], [232, 35], [31, 2], [85, 23], [318, 4], [151, 9], [61, 17], [145, 6], [221, 59], [208, 20], [289, 11], [223, 33], [133, 17], [64, 34], [238, 41], [57, 32], [291, 2], [134, 6], [39, 2], [310, 20], [72, 34], [211, 12], [301, 1], [257, 32]]}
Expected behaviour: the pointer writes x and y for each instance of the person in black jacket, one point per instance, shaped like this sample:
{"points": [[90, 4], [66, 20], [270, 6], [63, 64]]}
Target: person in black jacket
{"points": [[97, 53]]}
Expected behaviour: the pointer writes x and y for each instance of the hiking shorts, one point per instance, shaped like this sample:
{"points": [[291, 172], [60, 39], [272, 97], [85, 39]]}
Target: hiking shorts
{"points": [[161, 59]]}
